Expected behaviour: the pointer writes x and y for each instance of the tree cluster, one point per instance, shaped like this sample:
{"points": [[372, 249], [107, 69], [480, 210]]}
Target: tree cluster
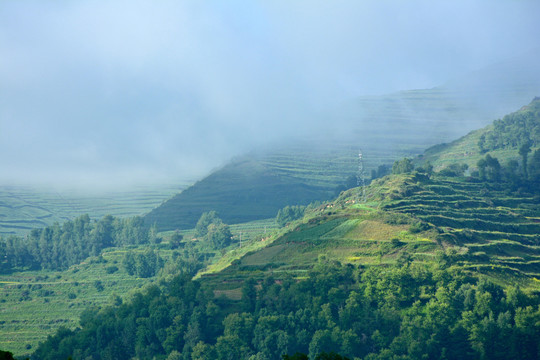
{"points": [[407, 311], [143, 264], [402, 166], [211, 229], [514, 130], [382, 170], [59, 246], [518, 176]]}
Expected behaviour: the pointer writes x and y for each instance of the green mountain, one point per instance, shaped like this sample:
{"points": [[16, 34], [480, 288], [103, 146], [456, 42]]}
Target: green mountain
{"points": [[425, 268], [409, 217], [256, 187], [384, 127], [416, 265]]}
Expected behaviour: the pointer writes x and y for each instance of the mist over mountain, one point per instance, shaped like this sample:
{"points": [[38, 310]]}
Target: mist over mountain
{"points": [[132, 92]]}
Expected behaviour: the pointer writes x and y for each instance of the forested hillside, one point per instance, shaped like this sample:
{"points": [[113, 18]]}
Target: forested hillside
{"points": [[410, 311], [398, 275]]}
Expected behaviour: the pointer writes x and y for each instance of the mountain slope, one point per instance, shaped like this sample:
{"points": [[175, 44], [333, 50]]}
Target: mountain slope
{"points": [[501, 139], [384, 127], [245, 190], [407, 218]]}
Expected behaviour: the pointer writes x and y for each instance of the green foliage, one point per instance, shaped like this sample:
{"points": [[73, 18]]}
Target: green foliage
{"points": [[289, 213], [211, 229], [176, 240], [411, 310], [111, 269], [453, 170], [99, 285], [521, 128], [59, 246], [418, 226], [219, 235], [534, 168], [402, 166], [296, 356], [489, 168], [143, 265], [206, 219], [382, 170], [6, 355]]}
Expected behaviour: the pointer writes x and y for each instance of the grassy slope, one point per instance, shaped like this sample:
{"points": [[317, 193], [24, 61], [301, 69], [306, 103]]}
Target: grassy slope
{"points": [[491, 233]]}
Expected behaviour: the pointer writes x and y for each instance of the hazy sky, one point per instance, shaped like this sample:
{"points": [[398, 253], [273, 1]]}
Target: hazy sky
{"points": [[144, 91]]}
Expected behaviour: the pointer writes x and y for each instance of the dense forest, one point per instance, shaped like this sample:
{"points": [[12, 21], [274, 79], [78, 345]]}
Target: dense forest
{"points": [[59, 246], [405, 311]]}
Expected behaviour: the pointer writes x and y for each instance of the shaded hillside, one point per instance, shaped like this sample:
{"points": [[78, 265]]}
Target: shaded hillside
{"points": [[245, 190]]}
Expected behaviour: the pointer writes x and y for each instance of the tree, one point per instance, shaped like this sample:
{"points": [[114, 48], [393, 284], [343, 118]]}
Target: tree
{"points": [[219, 235], [6, 355], [524, 151], [211, 229], [207, 218], [534, 166], [129, 263], [176, 240], [249, 295], [102, 236], [493, 168], [296, 356], [481, 164], [402, 166], [489, 168]]}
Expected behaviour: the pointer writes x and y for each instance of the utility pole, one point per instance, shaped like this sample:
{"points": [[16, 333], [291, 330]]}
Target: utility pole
{"points": [[360, 177]]}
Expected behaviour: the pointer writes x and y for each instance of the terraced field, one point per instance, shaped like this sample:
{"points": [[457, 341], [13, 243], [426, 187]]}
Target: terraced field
{"points": [[35, 304], [496, 231], [481, 227], [23, 208]]}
